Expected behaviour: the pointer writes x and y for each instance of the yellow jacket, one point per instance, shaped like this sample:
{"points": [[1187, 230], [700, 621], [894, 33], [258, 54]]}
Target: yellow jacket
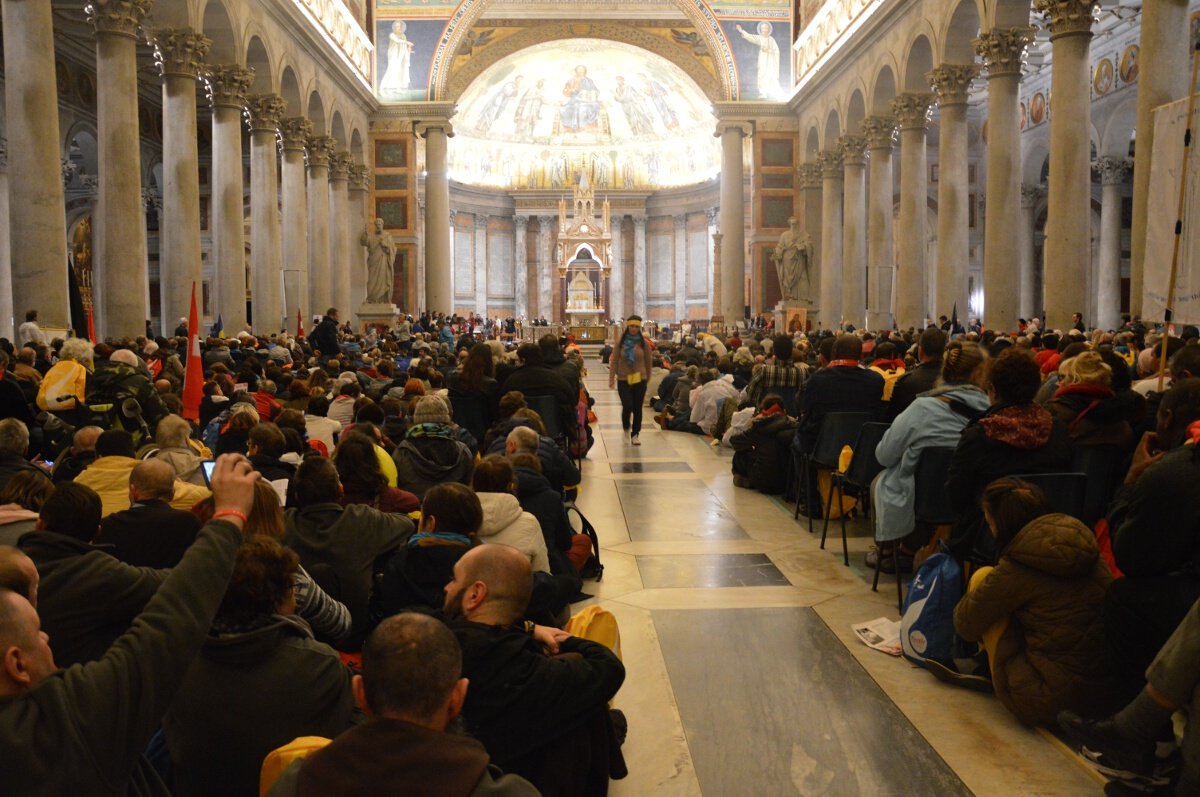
{"points": [[109, 477], [65, 378]]}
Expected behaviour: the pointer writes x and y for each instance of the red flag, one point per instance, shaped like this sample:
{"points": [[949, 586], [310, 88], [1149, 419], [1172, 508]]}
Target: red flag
{"points": [[299, 324], [193, 379]]}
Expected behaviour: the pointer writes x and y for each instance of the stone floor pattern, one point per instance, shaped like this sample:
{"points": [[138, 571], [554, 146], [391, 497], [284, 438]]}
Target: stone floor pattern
{"points": [[744, 677]]}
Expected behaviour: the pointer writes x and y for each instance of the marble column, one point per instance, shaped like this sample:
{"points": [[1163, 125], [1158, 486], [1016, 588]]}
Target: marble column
{"points": [[481, 262], [1003, 53], [810, 186], [7, 327], [881, 258], [912, 112], [1030, 301], [119, 247], [1163, 76], [681, 267], [264, 113], [1108, 275], [1068, 224], [439, 295], [639, 266], [180, 56], [520, 268], [854, 229], [320, 273], [37, 223], [360, 219], [616, 274], [733, 220], [951, 82], [339, 223], [545, 277], [227, 89], [294, 131], [712, 217], [831, 239]]}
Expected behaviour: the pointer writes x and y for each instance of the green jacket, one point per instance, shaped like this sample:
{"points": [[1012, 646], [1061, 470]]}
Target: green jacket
{"points": [[82, 730]]}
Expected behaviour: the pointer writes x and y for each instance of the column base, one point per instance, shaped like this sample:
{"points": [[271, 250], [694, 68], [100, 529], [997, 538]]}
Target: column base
{"points": [[377, 314]]}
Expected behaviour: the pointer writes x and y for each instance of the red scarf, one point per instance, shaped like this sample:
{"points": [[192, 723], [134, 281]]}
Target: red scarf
{"points": [[844, 364], [1193, 433]]}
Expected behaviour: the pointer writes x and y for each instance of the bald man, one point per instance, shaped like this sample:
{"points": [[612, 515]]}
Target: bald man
{"points": [[151, 533], [81, 454], [19, 574], [522, 703]]}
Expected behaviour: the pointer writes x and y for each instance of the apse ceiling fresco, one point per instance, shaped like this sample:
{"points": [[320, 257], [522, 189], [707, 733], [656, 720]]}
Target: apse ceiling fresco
{"points": [[622, 115]]}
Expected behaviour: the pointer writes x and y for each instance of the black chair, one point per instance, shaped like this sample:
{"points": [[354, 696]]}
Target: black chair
{"points": [[790, 396], [931, 504], [547, 408], [856, 481], [838, 429], [1066, 492], [1103, 467], [468, 412]]}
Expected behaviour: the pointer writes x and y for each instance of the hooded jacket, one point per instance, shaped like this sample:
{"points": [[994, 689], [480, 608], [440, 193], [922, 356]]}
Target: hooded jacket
{"points": [[283, 683], [506, 523], [430, 454], [1095, 416], [1050, 584], [766, 444], [1006, 441], [184, 461], [934, 420]]}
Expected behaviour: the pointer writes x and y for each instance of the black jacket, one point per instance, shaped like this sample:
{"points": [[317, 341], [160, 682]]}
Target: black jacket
{"points": [[149, 534], [11, 465], [764, 450], [919, 380], [557, 467], [87, 597], [13, 403], [324, 337], [542, 380], [840, 389]]}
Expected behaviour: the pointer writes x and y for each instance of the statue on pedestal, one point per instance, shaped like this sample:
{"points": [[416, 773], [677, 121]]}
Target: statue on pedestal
{"points": [[793, 257], [381, 255]]}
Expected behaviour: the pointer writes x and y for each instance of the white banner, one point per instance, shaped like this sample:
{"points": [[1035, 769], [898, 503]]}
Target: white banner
{"points": [[1162, 211]]}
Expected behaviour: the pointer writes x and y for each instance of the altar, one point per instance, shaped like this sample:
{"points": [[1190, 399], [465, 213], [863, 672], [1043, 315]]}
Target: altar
{"points": [[584, 256]]}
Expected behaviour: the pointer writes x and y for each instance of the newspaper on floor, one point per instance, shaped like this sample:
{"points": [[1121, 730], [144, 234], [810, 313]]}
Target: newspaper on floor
{"points": [[881, 634]]}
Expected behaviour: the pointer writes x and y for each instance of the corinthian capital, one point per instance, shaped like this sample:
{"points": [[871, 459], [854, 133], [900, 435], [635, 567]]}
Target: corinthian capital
{"points": [[880, 131], [295, 132], [1112, 170], [264, 112], [320, 150], [360, 177], [181, 52], [227, 85], [912, 110], [831, 162], [1003, 50], [1030, 194], [810, 174], [339, 165], [951, 82], [853, 149], [117, 17], [1068, 17]]}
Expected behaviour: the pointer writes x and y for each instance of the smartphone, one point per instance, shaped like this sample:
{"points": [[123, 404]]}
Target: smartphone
{"points": [[207, 467], [48, 463]]}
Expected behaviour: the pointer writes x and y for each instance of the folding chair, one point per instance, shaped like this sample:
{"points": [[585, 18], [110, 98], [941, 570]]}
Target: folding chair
{"points": [[838, 429], [1066, 492], [862, 470]]}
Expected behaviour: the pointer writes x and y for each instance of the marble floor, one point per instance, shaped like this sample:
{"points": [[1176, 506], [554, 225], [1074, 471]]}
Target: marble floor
{"points": [[744, 677]]}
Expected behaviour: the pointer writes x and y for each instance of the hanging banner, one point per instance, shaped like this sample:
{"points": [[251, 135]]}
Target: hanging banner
{"points": [[1162, 211]]}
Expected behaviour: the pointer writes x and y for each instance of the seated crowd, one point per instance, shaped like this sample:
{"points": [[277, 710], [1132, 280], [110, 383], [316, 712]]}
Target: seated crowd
{"points": [[351, 571], [1074, 599]]}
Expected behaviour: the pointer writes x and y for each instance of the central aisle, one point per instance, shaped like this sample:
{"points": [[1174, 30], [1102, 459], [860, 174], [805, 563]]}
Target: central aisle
{"points": [[743, 677]]}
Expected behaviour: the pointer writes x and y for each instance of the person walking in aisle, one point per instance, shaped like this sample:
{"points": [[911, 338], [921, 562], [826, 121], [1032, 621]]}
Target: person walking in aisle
{"points": [[629, 371]]}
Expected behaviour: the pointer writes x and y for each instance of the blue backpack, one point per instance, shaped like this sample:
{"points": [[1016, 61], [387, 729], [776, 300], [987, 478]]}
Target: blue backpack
{"points": [[927, 621]]}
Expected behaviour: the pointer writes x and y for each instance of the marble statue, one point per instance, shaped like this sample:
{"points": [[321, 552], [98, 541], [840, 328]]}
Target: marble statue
{"points": [[381, 255], [793, 259]]}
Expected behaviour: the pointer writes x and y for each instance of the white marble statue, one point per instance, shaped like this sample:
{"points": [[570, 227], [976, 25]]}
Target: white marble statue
{"points": [[793, 259], [381, 255]]}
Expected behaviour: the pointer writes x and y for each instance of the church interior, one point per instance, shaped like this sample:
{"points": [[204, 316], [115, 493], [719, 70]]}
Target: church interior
{"points": [[873, 164]]}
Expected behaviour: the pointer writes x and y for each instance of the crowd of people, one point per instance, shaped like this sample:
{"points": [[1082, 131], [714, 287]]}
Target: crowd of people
{"points": [[1065, 614], [340, 564]]}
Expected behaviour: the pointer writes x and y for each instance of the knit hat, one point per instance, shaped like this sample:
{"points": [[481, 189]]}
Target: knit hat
{"points": [[431, 409]]}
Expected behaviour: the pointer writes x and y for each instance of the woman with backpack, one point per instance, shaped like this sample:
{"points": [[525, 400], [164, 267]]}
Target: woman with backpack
{"points": [[1039, 612], [936, 419], [629, 372]]}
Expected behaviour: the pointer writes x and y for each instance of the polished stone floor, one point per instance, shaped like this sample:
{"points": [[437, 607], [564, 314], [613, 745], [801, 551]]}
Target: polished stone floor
{"points": [[744, 677]]}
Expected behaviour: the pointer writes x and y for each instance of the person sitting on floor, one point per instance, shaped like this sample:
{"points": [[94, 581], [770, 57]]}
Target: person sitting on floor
{"points": [[781, 373], [151, 533], [1015, 436], [523, 703], [933, 420], [431, 453], [504, 521], [363, 481], [261, 658], [761, 451], [1038, 612], [412, 689]]}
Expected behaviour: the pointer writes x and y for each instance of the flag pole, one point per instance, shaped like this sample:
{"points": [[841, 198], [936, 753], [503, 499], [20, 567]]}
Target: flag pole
{"points": [[1183, 175]]}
